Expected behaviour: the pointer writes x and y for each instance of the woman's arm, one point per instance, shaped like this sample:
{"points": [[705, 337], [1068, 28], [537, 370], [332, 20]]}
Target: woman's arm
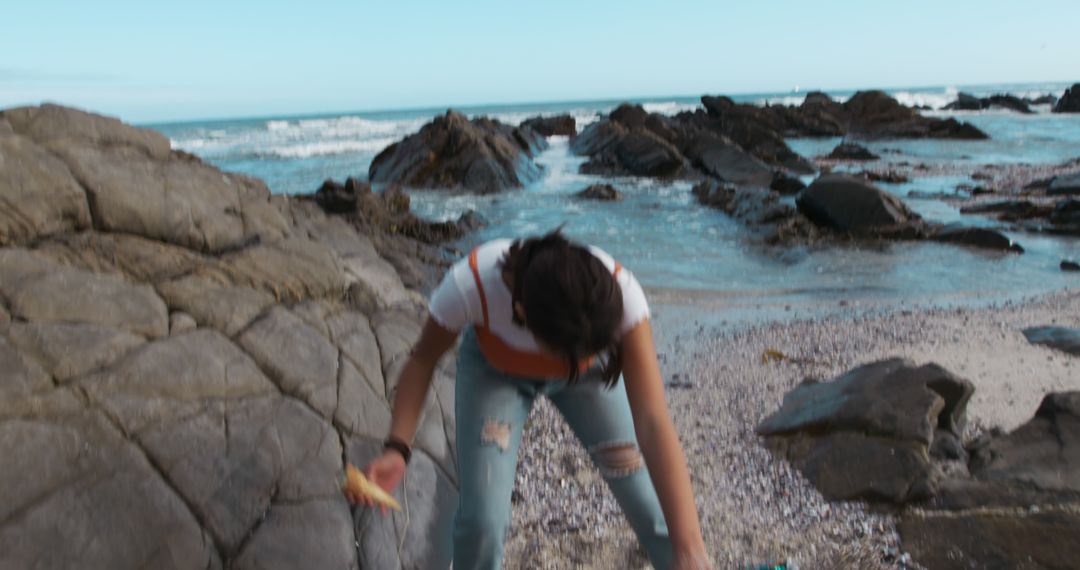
{"points": [[660, 444]]}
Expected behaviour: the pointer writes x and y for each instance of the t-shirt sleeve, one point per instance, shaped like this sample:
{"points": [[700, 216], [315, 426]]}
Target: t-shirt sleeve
{"points": [[448, 304], [635, 307]]}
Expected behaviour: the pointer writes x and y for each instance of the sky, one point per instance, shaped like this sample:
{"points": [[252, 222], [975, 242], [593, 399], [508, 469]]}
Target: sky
{"points": [[148, 61]]}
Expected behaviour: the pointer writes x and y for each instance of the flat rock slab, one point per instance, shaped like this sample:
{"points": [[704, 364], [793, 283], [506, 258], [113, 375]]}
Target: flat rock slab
{"points": [[71, 350], [39, 195], [38, 289], [1062, 338], [227, 308], [75, 494], [292, 269]]}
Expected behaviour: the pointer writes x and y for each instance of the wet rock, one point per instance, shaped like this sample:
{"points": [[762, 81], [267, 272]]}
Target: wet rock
{"points": [[1009, 210], [966, 102], [786, 185], [1065, 184], [479, 155], [977, 237], [1061, 338], [601, 192], [564, 125], [890, 176], [770, 220], [851, 205], [1067, 265], [874, 114], [852, 151], [721, 158], [867, 434], [1069, 101], [337, 198], [622, 144]]}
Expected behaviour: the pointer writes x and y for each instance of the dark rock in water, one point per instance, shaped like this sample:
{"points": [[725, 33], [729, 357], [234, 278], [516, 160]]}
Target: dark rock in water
{"points": [[626, 142], [889, 176], [720, 157], [816, 98], [923, 195], [874, 114], [1064, 184], [480, 155], [977, 237], [1061, 338], [967, 102], [786, 185], [852, 205], [1010, 210], [1067, 265], [549, 126], [867, 434], [1069, 101], [852, 151], [602, 192], [1044, 100], [1066, 212], [760, 209], [337, 198]]}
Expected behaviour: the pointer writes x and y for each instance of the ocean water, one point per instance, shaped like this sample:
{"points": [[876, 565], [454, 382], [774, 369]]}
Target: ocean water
{"points": [[683, 252]]}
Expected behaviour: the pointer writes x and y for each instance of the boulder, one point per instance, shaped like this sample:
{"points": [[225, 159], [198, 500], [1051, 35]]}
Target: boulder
{"points": [[638, 152], [226, 308], [867, 434], [291, 269], [564, 125], [786, 185], [480, 155], [1068, 265], [1061, 338], [852, 205], [1069, 101], [601, 192], [852, 151], [337, 198], [874, 114], [39, 195], [965, 102], [1065, 184], [1009, 210], [721, 158], [39, 290], [982, 238]]}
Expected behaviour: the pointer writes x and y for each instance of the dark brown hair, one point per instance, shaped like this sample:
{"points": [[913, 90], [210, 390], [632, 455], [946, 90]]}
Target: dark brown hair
{"points": [[572, 302]]}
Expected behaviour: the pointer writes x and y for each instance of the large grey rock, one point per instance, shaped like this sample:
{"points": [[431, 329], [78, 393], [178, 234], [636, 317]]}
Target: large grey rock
{"points": [[1069, 101], [235, 461], [38, 196], [174, 377], [75, 494], [300, 360], [224, 307], [71, 350], [52, 124], [21, 373], [397, 331], [40, 290], [853, 205], [314, 534], [360, 410], [1062, 338], [867, 434]]}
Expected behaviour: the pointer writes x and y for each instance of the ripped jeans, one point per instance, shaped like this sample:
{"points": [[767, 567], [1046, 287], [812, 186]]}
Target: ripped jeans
{"points": [[491, 409]]}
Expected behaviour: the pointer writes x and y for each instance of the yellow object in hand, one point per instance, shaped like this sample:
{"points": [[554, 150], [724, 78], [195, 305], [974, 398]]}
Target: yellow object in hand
{"points": [[358, 485]]}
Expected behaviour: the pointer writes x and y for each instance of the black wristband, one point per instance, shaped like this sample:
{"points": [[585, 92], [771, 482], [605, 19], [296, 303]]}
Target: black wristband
{"points": [[399, 446]]}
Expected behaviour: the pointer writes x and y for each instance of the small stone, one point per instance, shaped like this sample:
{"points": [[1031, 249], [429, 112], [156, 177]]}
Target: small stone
{"points": [[181, 322]]}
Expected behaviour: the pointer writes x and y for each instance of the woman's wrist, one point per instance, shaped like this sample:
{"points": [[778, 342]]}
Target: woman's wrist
{"points": [[398, 445]]}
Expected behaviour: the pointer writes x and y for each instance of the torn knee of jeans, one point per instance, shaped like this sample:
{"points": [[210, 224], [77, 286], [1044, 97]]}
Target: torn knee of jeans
{"points": [[495, 433], [617, 459]]}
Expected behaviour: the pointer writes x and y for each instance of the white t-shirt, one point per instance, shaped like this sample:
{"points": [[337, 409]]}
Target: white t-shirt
{"points": [[455, 304]]}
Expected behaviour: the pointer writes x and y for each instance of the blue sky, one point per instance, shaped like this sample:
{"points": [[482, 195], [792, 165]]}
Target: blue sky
{"points": [[160, 60]]}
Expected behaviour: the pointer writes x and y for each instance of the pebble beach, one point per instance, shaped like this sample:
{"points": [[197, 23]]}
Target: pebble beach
{"points": [[755, 508]]}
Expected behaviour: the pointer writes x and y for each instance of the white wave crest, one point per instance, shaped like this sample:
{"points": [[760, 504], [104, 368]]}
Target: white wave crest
{"points": [[669, 107], [927, 99], [277, 125], [325, 148]]}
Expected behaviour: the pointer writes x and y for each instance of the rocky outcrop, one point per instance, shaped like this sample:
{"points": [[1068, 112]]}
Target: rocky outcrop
{"points": [[220, 353], [967, 102], [869, 433], [1069, 101], [1069, 265], [768, 219], [478, 155], [601, 192], [853, 206], [1065, 184], [563, 125], [1061, 338]]}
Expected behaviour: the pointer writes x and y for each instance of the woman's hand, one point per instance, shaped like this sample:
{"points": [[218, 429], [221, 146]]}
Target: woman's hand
{"points": [[692, 560], [386, 471]]}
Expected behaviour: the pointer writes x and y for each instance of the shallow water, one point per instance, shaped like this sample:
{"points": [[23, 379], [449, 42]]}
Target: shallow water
{"points": [[682, 252]]}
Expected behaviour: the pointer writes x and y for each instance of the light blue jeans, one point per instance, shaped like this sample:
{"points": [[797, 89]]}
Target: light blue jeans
{"points": [[491, 410]]}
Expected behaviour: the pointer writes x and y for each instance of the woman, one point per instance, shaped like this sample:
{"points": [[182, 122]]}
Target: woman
{"points": [[546, 316]]}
